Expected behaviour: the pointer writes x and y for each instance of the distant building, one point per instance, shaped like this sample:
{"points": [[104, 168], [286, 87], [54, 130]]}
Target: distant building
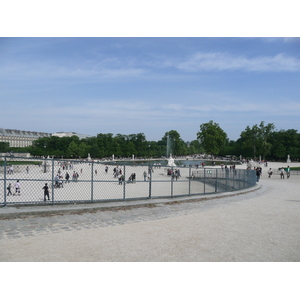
{"points": [[20, 138], [69, 134]]}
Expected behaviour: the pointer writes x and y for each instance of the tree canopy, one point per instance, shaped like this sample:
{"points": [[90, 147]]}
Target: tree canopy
{"points": [[257, 140], [211, 137]]}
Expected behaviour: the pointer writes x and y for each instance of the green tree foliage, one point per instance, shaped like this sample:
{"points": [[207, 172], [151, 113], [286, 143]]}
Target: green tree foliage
{"points": [[194, 147], [177, 146], [284, 143], [4, 146], [254, 141], [212, 137]]}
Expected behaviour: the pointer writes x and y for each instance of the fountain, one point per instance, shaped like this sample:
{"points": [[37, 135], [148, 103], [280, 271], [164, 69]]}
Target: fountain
{"points": [[171, 162], [252, 164], [168, 145]]}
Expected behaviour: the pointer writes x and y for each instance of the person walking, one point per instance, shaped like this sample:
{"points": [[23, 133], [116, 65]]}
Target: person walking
{"points": [[46, 192], [288, 172], [18, 188], [270, 172], [258, 173], [120, 178], [67, 177], [282, 173], [9, 189]]}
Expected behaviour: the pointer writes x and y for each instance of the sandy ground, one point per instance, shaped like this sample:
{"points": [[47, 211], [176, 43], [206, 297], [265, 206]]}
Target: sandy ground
{"points": [[263, 227]]}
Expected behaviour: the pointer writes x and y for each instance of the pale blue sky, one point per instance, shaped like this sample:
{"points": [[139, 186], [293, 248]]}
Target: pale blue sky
{"points": [[149, 85]]}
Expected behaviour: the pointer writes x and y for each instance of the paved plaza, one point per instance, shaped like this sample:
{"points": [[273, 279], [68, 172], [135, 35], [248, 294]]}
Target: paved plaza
{"points": [[261, 224]]}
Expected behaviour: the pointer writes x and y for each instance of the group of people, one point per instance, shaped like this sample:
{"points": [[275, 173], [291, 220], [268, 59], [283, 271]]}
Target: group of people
{"points": [[282, 172], [175, 173], [17, 189], [10, 170]]}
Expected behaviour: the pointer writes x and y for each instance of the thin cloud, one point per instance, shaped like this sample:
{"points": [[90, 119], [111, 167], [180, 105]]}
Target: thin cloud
{"points": [[222, 62]]}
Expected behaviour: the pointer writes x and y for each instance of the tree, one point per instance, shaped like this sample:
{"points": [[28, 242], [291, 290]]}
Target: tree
{"points": [[4, 146], [175, 143], [73, 150], [249, 139], [258, 139], [264, 135], [211, 137]]}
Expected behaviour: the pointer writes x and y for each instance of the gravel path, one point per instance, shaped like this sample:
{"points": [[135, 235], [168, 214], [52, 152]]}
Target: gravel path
{"points": [[259, 226]]}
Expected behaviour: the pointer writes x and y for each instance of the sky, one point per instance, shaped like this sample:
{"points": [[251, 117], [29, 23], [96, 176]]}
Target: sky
{"points": [[150, 85]]}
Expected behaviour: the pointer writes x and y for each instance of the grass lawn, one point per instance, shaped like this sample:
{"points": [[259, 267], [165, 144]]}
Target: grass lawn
{"points": [[18, 163]]}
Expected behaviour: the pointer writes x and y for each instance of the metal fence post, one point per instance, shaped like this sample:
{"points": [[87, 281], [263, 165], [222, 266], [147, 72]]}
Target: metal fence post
{"points": [[124, 182], [204, 180], [5, 184], [150, 180], [92, 182], [216, 182], [172, 181], [190, 180], [52, 180]]}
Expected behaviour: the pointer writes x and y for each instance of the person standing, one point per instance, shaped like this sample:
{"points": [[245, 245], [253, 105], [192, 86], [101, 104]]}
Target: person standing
{"points": [[282, 173], [120, 178], [288, 172], [18, 188], [258, 173], [67, 177], [9, 189], [46, 192], [270, 172]]}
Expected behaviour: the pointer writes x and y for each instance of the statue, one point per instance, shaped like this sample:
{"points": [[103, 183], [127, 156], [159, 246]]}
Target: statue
{"points": [[288, 159], [252, 164], [171, 161]]}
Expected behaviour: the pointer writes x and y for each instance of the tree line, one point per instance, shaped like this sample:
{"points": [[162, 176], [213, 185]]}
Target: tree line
{"points": [[258, 140]]}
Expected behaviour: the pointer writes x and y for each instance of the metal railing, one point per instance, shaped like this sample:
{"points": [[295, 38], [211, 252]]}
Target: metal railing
{"points": [[89, 181]]}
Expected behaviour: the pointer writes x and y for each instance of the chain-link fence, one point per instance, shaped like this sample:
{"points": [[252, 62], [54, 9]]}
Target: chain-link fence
{"points": [[44, 181]]}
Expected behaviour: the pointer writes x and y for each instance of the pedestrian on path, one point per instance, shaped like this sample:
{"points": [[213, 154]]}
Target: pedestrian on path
{"points": [[282, 173], [288, 172], [46, 192], [9, 189], [270, 172], [67, 177], [18, 188]]}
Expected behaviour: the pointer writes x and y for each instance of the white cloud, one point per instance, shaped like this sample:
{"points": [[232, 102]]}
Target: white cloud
{"points": [[222, 61]]}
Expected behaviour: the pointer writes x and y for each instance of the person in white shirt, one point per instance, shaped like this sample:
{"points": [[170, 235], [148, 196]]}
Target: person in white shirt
{"points": [[17, 187]]}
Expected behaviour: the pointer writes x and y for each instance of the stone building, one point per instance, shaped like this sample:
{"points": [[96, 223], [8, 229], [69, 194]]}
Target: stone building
{"points": [[20, 138], [69, 134]]}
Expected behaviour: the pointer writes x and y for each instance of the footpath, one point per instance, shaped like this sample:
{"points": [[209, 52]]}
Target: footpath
{"points": [[21, 211]]}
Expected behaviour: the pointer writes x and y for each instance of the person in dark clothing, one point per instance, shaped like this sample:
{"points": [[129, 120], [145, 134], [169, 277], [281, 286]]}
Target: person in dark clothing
{"points": [[258, 174], [9, 190], [46, 192]]}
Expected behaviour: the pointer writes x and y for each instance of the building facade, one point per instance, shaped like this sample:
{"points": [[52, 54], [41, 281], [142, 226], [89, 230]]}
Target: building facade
{"points": [[69, 134], [20, 138]]}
